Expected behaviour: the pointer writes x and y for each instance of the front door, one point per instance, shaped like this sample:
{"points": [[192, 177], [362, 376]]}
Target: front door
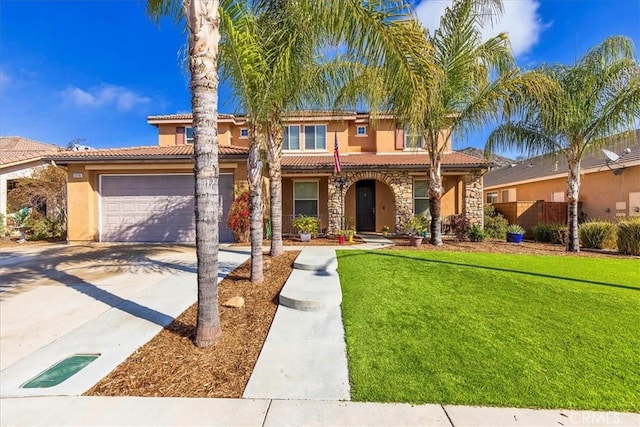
{"points": [[366, 205]]}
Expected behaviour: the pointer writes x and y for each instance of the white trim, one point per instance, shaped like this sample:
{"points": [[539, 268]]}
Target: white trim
{"points": [[188, 140], [413, 192], [317, 181], [302, 140], [494, 193], [247, 135], [360, 135]]}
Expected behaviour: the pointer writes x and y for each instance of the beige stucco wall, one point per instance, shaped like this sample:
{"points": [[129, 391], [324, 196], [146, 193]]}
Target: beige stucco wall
{"points": [[83, 192], [599, 192], [359, 143]]}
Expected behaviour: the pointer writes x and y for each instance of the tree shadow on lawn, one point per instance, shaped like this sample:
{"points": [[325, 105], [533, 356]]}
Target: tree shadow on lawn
{"points": [[461, 264]]}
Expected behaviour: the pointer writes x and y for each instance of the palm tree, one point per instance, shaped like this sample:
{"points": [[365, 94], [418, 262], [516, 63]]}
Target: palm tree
{"points": [[453, 82], [202, 22], [594, 99], [271, 59]]}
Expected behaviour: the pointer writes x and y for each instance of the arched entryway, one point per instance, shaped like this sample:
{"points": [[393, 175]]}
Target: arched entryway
{"points": [[369, 200]]}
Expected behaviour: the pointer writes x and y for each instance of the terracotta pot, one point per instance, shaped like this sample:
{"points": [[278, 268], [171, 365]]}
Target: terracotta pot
{"points": [[415, 240]]}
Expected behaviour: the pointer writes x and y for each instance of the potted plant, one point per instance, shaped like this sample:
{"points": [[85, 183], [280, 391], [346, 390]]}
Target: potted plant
{"points": [[350, 233], [385, 230], [307, 226], [341, 237], [514, 233], [416, 227]]}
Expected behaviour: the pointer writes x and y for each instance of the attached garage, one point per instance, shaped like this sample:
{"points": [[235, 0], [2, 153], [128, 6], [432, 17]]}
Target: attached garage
{"points": [[155, 208]]}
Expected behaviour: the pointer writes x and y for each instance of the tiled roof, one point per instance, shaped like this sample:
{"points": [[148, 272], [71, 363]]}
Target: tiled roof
{"points": [[173, 152], [15, 149], [187, 116], [537, 168], [354, 161]]}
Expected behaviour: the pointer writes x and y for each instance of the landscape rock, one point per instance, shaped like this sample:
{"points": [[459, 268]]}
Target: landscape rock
{"points": [[235, 302]]}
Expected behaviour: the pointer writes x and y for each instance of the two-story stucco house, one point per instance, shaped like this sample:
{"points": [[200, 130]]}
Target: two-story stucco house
{"points": [[146, 193]]}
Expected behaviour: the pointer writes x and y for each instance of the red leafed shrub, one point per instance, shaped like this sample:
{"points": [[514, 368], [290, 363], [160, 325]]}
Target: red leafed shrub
{"points": [[238, 218]]}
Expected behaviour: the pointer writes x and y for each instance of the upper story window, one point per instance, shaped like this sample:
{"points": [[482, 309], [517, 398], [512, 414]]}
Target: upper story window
{"points": [[315, 137], [492, 197], [188, 135], [361, 130], [291, 139], [244, 133], [412, 140], [508, 195]]}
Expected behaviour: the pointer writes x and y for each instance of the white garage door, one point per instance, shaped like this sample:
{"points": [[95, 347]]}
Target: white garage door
{"points": [[154, 208]]}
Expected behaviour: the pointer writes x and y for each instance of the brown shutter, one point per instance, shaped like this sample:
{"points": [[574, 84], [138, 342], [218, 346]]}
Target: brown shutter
{"points": [[399, 139], [180, 135]]}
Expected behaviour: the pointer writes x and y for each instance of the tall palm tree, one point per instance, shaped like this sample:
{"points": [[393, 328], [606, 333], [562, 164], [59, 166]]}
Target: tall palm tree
{"points": [[273, 60], [202, 22], [595, 98]]}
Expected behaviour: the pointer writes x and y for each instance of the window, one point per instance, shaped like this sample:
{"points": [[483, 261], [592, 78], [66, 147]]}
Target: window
{"points": [[305, 198], [188, 135], [557, 197], [492, 197], [315, 137], [244, 133], [12, 184], [412, 140], [291, 138], [420, 196], [361, 130]]}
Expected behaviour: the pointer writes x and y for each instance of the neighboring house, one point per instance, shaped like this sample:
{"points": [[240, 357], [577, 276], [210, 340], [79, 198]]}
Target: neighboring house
{"points": [[19, 158], [146, 194], [608, 189]]}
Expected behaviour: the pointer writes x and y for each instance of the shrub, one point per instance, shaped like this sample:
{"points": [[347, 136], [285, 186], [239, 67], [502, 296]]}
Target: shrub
{"points": [[547, 233], [460, 226], [238, 218], [39, 226], [2, 228], [306, 224], [596, 234], [628, 236], [476, 233], [417, 225], [515, 229], [495, 225]]}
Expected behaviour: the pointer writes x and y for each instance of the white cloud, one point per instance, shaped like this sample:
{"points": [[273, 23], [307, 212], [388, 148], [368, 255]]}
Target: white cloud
{"points": [[105, 95], [520, 20]]}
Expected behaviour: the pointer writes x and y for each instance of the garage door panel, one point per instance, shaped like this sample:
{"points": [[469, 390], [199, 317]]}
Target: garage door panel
{"points": [[155, 208]]}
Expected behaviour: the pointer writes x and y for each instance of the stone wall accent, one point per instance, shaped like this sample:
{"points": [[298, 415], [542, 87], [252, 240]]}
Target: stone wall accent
{"points": [[472, 202], [401, 185]]}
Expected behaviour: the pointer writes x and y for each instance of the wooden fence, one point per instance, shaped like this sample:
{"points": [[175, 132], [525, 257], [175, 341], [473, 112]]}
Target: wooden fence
{"points": [[530, 214]]}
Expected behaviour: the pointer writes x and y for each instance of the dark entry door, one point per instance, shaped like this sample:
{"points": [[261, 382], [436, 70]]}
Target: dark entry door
{"points": [[366, 205]]}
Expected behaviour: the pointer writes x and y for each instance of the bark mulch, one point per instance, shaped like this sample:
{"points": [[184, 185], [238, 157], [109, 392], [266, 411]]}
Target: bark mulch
{"points": [[315, 241], [170, 365]]}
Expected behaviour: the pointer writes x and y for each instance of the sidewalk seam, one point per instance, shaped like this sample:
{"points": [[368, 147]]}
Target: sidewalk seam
{"points": [[447, 414], [266, 414]]}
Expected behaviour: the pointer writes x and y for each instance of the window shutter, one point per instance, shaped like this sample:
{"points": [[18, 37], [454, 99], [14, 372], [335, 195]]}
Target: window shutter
{"points": [[399, 139], [180, 135]]}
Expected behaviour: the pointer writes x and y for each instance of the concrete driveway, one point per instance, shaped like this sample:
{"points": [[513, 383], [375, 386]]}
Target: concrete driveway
{"points": [[53, 297]]}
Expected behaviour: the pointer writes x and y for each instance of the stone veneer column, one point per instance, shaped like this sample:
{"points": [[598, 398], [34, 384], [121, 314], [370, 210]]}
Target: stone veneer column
{"points": [[472, 202], [400, 183]]}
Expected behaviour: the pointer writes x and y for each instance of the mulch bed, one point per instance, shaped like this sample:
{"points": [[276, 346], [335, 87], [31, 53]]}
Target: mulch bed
{"points": [[498, 246], [315, 241], [170, 365]]}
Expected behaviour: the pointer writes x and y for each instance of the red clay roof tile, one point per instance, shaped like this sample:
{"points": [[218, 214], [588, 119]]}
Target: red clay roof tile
{"points": [[16, 149]]}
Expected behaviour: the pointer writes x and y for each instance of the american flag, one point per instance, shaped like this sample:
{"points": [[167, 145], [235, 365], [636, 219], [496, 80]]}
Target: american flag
{"points": [[336, 155]]}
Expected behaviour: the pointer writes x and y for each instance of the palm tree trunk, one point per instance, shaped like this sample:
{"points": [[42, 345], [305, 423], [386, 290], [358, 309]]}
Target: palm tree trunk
{"points": [[274, 155], [435, 195], [256, 209], [202, 21], [573, 188]]}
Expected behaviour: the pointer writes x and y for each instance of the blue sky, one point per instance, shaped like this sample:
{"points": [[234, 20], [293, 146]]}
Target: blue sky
{"points": [[96, 69]]}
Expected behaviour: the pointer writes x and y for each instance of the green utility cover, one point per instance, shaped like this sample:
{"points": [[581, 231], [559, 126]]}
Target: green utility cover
{"points": [[61, 371]]}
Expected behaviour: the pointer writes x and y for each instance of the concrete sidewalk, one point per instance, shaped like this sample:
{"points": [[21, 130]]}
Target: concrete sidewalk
{"points": [[139, 411]]}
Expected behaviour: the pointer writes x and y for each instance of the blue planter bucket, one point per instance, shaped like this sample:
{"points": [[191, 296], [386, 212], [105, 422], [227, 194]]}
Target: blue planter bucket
{"points": [[514, 237]]}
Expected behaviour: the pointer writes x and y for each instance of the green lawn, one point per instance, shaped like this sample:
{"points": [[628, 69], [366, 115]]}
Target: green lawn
{"points": [[492, 329]]}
